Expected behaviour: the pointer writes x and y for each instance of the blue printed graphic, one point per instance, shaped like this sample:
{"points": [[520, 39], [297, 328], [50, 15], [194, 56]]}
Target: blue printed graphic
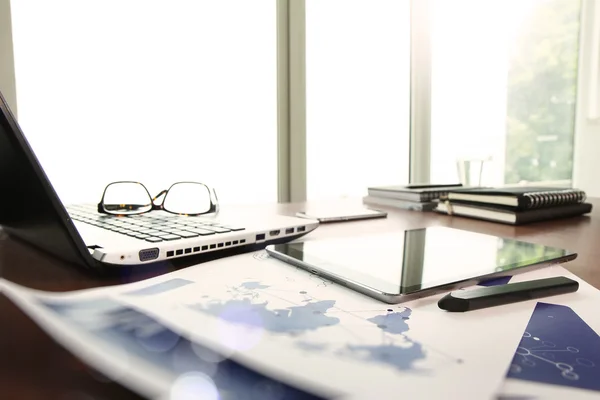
{"points": [[161, 287], [394, 322], [503, 280], [306, 314], [149, 341], [401, 358], [295, 319], [253, 285], [558, 348]]}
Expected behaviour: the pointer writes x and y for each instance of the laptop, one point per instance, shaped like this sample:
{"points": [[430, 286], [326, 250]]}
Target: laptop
{"points": [[31, 210]]}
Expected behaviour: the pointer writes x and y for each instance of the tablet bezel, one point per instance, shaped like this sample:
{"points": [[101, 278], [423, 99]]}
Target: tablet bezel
{"points": [[374, 287]]}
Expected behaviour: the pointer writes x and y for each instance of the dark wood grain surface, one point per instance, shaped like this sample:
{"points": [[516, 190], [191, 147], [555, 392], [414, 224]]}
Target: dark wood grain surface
{"points": [[33, 366]]}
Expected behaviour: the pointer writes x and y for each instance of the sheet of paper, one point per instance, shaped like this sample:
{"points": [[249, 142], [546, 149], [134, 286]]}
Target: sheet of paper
{"points": [[338, 341], [135, 350], [257, 315]]}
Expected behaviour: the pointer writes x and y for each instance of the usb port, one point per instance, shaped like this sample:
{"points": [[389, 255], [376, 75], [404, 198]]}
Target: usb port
{"points": [[289, 230], [301, 228], [260, 236]]}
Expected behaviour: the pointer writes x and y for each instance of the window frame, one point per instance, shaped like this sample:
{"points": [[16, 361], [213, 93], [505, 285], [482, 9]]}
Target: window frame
{"points": [[7, 61], [420, 99], [291, 101]]}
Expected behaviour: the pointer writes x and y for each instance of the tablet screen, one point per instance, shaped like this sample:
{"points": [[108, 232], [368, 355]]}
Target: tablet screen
{"points": [[408, 261]]}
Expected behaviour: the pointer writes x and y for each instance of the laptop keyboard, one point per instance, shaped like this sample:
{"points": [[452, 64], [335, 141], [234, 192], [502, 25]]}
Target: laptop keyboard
{"points": [[151, 228]]}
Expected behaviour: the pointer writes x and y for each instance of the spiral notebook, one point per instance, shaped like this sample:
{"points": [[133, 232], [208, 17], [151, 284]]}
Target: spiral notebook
{"points": [[520, 197], [510, 215]]}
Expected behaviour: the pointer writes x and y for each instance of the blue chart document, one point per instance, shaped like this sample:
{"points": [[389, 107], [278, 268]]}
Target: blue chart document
{"points": [[558, 348], [250, 326]]}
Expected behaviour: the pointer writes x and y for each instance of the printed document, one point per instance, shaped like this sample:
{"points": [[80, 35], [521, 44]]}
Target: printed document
{"points": [[250, 324]]}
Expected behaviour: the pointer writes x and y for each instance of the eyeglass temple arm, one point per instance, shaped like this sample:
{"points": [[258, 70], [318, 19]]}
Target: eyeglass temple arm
{"points": [[216, 202]]}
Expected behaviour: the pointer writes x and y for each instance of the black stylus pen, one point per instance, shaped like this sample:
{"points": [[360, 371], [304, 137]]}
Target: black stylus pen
{"points": [[467, 300]]}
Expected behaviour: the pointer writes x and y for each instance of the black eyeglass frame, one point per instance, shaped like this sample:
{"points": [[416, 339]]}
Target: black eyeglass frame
{"points": [[214, 201]]}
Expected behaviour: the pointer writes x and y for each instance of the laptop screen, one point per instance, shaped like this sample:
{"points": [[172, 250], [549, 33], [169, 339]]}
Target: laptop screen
{"points": [[29, 207]]}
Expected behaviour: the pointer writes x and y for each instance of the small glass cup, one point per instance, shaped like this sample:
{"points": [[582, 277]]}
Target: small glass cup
{"points": [[470, 170]]}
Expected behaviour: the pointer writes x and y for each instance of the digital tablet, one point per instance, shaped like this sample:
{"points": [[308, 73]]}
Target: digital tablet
{"points": [[400, 266], [324, 213]]}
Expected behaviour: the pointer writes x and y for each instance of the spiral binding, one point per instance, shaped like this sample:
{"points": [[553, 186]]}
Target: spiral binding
{"points": [[554, 198]]}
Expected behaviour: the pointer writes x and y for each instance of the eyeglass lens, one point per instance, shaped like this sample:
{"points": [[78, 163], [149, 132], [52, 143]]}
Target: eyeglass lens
{"points": [[126, 198], [187, 198]]}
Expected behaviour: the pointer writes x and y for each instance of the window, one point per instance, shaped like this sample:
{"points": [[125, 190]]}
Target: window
{"points": [[504, 77], [357, 95], [100, 83], [154, 91], [587, 134]]}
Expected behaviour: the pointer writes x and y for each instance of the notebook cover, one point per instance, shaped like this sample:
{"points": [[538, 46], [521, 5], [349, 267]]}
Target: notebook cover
{"points": [[521, 217]]}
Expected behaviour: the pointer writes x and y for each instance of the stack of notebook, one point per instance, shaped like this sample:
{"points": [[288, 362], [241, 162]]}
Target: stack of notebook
{"points": [[421, 197], [515, 205]]}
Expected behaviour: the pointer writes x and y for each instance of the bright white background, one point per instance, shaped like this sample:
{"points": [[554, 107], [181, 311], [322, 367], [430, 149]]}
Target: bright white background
{"points": [[357, 95], [148, 90], [587, 130], [100, 83], [471, 40]]}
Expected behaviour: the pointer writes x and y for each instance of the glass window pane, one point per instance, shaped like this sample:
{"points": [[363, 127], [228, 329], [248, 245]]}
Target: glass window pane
{"points": [[504, 78], [152, 91], [357, 83]]}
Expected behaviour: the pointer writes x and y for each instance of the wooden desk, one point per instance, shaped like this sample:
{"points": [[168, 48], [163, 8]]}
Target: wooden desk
{"points": [[32, 366]]}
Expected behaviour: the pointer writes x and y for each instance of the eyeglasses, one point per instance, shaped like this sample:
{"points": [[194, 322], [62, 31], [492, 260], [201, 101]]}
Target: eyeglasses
{"points": [[184, 198]]}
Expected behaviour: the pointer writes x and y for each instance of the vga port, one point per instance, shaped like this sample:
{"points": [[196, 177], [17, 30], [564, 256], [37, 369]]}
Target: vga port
{"points": [[149, 254]]}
